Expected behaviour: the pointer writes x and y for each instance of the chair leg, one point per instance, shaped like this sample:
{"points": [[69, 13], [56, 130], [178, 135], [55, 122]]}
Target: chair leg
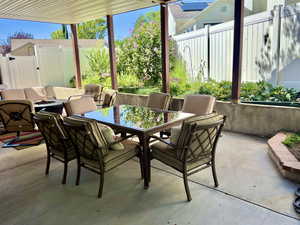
{"points": [[65, 173], [101, 185], [78, 172], [48, 163], [141, 165], [186, 186], [213, 167]]}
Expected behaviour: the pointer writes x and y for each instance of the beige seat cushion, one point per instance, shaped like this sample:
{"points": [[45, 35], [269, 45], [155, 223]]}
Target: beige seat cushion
{"points": [[35, 94], [199, 104], [168, 155], [80, 106], [115, 158], [13, 94]]}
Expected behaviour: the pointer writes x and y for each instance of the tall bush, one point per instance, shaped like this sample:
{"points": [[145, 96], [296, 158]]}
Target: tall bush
{"points": [[141, 53]]}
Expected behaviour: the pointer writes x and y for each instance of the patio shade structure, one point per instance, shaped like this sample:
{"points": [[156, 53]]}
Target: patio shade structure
{"points": [[78, 11]]}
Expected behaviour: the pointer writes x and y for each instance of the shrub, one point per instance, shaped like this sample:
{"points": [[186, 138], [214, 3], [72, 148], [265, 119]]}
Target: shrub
{"points": [[291, 140], [140, 54], [250, 91]]}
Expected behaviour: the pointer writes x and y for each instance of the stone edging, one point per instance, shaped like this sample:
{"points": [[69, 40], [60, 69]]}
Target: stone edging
{"points": [[286, 162]]}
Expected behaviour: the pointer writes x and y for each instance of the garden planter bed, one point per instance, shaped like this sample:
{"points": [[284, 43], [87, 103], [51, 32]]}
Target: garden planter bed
{"points": [[286, 162]]}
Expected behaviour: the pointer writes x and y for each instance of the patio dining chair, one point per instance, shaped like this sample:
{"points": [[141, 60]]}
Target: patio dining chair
{"points": [[109, 98], [95, 91], [57, 142], [97, 147], [79, 105], [199, 105], [159, 101], [194, 150], [15, 116]]}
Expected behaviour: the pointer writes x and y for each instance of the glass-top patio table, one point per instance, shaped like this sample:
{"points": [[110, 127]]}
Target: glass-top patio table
{"points": [[140, 121]]}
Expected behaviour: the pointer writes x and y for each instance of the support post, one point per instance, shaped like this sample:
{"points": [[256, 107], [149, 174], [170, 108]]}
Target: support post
{"points": [[112, 52], [276, 43], [237, 50], [165, 47], [76, 55], [207, 64]]}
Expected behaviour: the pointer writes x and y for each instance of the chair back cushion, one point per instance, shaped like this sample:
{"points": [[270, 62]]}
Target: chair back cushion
{"points": [[110, 137], [51, 126], [85, 135], [80, 106], [198, 137], [93, 90], [13, 94], [199, 104], [35, 94], [110, 97], [16, 115], [159, 101]]}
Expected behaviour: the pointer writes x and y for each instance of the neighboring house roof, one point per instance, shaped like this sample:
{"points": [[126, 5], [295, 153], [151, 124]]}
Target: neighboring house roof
{"points": [[216, 12], [82, 43], [194, 6], [179, 14]]}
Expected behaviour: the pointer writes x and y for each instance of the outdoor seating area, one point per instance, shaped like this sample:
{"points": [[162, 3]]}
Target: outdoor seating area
{"points": [[91, 153]]}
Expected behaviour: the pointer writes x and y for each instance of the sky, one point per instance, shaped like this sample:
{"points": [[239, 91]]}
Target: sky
{"points": [[123, 25]]}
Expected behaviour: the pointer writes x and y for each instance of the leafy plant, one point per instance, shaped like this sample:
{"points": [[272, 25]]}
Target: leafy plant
{"points": [[291, 140], [250, 91], [140, 54]]}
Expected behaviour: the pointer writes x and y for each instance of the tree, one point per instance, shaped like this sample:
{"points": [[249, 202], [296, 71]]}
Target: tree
{"points": [[94, 29], [150, 17], [141, 53], [6, 45]]}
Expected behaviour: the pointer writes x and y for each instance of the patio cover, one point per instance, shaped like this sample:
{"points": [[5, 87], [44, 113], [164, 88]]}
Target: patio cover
{"points": [[68, 11]]}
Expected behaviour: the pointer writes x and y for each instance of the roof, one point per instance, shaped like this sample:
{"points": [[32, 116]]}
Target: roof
{"points": [[68, 11], [82, 43], [178, 13], [194, 6]]}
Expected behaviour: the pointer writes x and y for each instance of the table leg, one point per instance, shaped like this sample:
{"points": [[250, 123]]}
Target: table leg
{"points": [[144, 141]]}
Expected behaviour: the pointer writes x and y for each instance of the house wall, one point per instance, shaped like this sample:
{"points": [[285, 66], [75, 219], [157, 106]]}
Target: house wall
{"points": [[259, 120]]}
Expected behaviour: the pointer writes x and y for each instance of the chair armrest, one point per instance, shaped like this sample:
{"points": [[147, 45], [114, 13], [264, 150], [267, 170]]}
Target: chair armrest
{"points": [[79, 96], [163, 141]]}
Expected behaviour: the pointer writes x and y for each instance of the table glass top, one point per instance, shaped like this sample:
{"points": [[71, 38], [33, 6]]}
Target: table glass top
{"points": [[136, 117]]}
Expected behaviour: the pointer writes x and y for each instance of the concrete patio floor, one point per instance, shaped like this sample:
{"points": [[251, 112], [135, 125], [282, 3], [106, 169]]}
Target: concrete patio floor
{"points": [[251, 191]]}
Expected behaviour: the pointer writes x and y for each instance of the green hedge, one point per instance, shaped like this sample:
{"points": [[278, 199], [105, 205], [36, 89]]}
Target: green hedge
{"points": [[250, 91]]}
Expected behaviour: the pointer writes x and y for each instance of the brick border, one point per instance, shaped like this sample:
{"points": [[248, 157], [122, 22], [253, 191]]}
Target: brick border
{"points": [[286, 162]]}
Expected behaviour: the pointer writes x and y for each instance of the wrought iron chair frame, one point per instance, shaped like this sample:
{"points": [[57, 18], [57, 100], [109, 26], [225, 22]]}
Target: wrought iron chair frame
{"points": [[219, 126], [100, 161], [26, 107], [65, 141]]}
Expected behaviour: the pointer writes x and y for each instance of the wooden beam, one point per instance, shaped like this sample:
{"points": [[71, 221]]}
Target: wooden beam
{"points": [[76, 55], [112, 52], [237, 50], [165, 47]]}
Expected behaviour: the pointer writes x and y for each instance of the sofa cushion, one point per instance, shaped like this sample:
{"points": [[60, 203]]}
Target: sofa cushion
{"points": [[13, 94], [62, 92], [35, 94]]}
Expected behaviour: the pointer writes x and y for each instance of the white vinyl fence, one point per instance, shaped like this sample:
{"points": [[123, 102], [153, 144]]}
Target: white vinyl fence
{"points": [[49, 66], [270, 49]]}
